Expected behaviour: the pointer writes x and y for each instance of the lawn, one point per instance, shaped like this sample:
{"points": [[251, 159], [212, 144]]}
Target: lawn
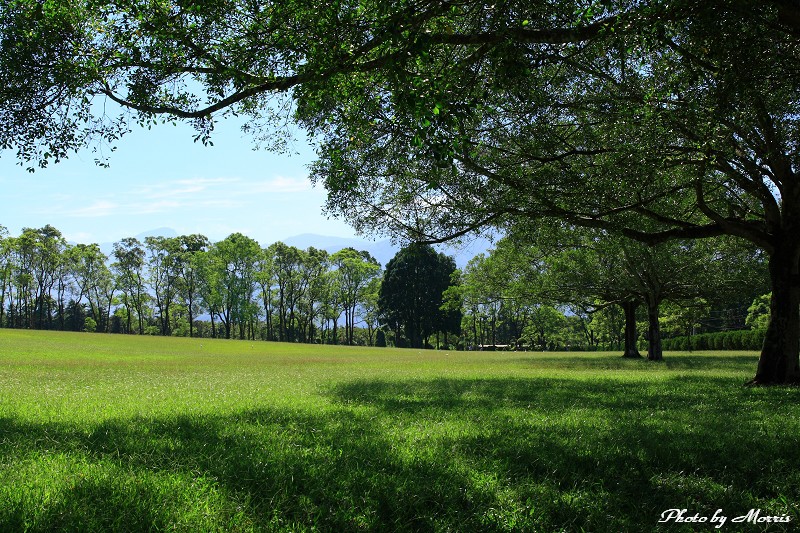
{"points": [[124, 433]]}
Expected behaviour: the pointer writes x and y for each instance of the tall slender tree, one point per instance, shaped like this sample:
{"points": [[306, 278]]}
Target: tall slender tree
{"points": [[316, 263], [129, 266], [162, 262], [232, 264], [189, 246], [5, 272], [354, 271]]}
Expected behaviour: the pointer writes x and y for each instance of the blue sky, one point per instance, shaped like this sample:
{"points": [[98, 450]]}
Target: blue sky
{"points": [[161, 178]]}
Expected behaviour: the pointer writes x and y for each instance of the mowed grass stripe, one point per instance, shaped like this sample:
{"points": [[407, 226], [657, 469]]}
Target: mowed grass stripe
{"points": [[102, 432]]}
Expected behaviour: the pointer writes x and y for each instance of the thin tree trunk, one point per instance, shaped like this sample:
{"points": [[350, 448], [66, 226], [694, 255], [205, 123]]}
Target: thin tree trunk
{"points": [[191, 318], [140, 313]]}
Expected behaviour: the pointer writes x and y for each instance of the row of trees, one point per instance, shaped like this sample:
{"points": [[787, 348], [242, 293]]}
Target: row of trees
{"points": [[162, 285], [560, 285], [549, 287]]}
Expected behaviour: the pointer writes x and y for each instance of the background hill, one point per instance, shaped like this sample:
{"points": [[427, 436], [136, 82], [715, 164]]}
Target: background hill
{"points": [[382, 250]]}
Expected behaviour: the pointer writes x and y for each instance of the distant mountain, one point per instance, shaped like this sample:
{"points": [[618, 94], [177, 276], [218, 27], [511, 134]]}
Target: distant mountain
{"points": [[108, 247], [158, 232], [325, 242], [383, 251]]}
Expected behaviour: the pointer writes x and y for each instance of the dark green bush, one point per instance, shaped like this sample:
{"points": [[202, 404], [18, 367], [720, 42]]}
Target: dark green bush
{"points": [[728, 340], [722, 340]]}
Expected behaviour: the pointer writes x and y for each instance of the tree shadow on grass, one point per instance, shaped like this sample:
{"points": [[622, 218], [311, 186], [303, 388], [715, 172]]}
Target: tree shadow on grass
{"points": [[418, 455], [634, 448], [589, 361], [259, 469]]}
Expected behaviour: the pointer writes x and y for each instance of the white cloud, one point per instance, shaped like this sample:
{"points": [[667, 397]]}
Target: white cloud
{"points": [[99, 208], [280, 184], [196, 194], [185, 188]]}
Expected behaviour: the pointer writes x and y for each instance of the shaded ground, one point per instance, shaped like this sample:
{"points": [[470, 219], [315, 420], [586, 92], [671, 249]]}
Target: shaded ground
{"points": [[446, 454]]}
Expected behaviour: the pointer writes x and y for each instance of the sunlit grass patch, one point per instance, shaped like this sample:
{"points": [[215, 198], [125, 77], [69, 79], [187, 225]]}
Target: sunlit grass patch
{"points": [[132, 433]]}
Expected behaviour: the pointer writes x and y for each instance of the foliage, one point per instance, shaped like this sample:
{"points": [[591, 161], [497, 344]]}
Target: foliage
{"points": [[89, 325], [758, 314], [231, 269], [721, 340], [638, 121], [354, 273], [164, 284], [591, 273], [411, 296], [129, 269], [380, 339]]}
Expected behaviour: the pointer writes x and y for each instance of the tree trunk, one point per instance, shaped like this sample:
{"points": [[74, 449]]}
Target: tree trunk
{"points": [[266, 296], [140, 313], [414, 334], [128, 309], [475, 329], [191, 318], [654, 351], [779, 362], [631, 351]]}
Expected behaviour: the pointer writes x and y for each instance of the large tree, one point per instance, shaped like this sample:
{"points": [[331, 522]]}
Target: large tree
{"points": [[438, 118], [653, 132], [411, 294], [317, 264], [291, 286], [162, 261]]}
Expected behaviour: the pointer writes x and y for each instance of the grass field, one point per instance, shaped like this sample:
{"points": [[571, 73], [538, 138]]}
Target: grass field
{"points": [[119, 433]]}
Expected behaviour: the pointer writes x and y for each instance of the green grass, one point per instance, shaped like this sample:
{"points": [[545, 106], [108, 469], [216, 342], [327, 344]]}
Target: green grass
{"points": [[118, 433]]}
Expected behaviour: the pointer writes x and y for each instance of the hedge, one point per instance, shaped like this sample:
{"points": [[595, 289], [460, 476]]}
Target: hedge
{"points": [[745, 339]]}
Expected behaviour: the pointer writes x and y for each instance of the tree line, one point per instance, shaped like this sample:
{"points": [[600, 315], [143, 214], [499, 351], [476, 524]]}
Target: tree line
{"points": [[164, 284], [544, 288]]}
